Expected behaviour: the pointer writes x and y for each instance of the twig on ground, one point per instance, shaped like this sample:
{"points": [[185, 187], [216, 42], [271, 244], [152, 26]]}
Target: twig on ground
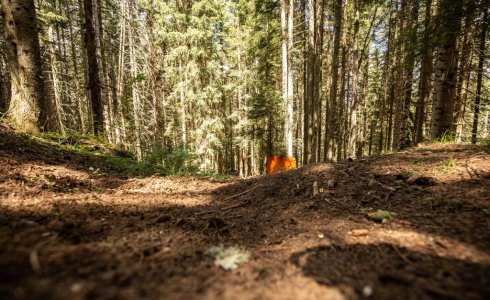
{"points": [[468, 168], [34, 260], [403, 257]]}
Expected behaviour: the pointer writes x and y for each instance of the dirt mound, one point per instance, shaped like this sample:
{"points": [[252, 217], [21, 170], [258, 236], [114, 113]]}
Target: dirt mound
{"points": [[67, 233]]}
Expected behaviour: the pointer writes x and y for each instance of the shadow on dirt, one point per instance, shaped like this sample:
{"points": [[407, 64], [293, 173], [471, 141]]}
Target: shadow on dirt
{"points": [[385, 272]]}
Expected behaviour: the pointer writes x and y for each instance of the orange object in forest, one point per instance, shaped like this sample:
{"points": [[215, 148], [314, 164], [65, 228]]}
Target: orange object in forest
{"points": [[276, 164]]}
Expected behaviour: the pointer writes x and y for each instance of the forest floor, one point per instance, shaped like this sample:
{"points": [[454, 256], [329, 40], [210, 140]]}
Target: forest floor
{"points": [[72, 230]]}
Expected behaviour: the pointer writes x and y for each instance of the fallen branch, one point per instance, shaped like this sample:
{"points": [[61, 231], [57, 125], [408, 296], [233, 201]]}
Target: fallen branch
{"points": [[228, 198]]}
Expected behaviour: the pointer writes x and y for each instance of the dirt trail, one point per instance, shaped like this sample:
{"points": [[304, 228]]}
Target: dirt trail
{"points": [[70, 232]]}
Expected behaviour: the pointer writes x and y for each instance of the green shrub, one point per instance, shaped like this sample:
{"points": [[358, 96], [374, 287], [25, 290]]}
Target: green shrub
{"points": [[176, 161]]}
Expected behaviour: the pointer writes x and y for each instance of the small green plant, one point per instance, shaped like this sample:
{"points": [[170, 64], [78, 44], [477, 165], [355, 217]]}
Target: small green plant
{"points": [[486, 145], [176, 161], [451, 162], [448, 165]]}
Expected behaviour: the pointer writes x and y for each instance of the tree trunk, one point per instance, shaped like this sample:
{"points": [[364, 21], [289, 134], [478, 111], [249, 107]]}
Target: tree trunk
{"points": [[317, 77], [78, 95], [446, 68], [342, 121], [27, 101], [400, 56], [93, 85], [425, 75], [464, 71], [135, 92], [479, 79], [287, 72], [54, 103], [331, 120], [410, 49], [387, 86], [4, 83], [354, 73]]}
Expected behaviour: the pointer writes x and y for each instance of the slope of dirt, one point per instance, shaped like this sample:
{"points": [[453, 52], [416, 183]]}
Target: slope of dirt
{"points": [[69, 233]]}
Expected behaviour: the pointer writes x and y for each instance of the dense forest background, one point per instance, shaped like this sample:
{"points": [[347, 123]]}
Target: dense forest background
{"points": [[221, 84]]}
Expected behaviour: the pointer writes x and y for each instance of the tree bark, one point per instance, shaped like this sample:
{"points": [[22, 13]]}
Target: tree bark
{"points": [[27, 102], [446, 70], [479, 79], [400, 56], [464, 70], [331, 121], [287, 10], [425, 75], [93, 85], [409, 64], [354, 73]]}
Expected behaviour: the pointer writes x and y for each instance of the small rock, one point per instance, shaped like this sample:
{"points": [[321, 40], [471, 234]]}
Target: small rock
{"points": [[76, 287], [367, 291], [321, 235]]}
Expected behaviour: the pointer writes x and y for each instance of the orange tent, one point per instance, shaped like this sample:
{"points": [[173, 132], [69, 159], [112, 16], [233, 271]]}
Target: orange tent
{"points": [[276, 164]]}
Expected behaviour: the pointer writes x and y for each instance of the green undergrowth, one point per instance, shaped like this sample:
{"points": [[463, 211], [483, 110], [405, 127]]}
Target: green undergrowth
{"points": [[94, 153], [486, 145], [101, 158]]}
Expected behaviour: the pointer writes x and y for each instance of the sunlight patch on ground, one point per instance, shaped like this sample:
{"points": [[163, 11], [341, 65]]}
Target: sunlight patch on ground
{"points": [[423, 243]]}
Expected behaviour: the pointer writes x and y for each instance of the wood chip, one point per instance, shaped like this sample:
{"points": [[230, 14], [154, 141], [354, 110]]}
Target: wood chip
{"points": [[315, 188], [34, 260], [359, 232]]}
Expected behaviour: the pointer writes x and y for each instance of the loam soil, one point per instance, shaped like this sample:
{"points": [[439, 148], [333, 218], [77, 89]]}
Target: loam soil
{"points": [[71, 230]]}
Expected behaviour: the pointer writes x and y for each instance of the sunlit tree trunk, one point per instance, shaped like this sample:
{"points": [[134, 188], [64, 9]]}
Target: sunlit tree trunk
{"points": [[22, 42], [135, 92], [79, 93], [54, 104], [4, 84], [287, 10], [425, 75], [450, 13], [331, 120], [387, 87]]}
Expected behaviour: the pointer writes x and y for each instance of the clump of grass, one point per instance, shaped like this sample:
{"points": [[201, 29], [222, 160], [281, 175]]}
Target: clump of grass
{"points": [[449, 165], [446, 137]]}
